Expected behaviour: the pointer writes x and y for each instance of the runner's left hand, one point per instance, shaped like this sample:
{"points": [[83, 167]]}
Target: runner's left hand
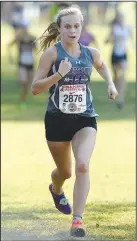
{"points": [[112, 92]]}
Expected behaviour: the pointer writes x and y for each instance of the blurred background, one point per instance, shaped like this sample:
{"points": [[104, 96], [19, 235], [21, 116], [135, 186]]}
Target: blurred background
{"points": [[98, 17], [26, 161]]}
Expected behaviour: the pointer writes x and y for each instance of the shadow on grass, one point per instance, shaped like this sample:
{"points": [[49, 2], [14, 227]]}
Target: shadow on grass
{"points": [[37, 104], [114, 223]]}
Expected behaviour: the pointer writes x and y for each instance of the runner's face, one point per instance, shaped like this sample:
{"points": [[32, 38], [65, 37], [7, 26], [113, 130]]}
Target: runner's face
{"points": [[70, 29]]}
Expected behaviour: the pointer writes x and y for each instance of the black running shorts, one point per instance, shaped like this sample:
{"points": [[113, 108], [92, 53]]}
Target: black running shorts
{"points": [[116, 59], [25, 66], [62, 127]]}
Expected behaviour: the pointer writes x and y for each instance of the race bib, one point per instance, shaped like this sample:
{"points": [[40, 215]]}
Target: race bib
{"points": [[26, 58], [72, 98]]}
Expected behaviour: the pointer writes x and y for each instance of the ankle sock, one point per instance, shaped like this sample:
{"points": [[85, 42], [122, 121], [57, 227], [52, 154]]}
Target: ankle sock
{"points": [[75, 217]]}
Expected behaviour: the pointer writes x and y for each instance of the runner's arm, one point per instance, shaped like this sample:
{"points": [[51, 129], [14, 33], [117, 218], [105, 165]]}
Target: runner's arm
{"points": [[41, 82], [101, 67], [15, 41], [104, 72]]}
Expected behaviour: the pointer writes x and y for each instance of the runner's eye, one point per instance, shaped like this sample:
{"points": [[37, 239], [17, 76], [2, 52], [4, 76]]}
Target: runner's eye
{"points": [[67, 26], [77, 26]]}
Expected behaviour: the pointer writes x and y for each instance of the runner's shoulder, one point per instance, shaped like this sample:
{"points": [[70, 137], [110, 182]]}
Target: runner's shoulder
{"points": [[49, 54], [94, 52]]}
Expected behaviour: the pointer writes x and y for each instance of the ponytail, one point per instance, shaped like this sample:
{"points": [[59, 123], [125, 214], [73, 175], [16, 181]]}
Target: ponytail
{"points": [[49, 36]]}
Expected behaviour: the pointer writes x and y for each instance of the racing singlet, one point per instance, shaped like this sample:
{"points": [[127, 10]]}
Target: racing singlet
{"points": [[121, 35], [72, 94], [26, 52]]}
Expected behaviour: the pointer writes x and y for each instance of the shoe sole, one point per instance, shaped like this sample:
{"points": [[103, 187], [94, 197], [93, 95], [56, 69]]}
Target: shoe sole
{"points": [[78, 232]]}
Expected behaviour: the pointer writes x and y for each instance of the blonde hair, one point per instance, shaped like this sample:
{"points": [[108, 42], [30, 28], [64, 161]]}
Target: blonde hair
{"points": [[51, 34]]}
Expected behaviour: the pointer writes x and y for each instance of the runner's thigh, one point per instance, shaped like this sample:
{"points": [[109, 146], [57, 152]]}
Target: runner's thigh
{"points": [[83, 144]]}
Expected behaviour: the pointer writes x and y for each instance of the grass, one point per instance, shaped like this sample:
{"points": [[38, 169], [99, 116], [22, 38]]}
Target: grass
{"points": [[108, 217], [28, 212], [27, 207]]}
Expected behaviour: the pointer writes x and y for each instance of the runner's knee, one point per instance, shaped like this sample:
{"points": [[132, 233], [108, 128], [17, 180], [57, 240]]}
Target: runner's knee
{"points": [[66, 174], [82, 168]]}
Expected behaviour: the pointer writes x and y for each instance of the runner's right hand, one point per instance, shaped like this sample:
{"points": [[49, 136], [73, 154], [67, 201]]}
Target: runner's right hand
{"points": [[64, 67]]}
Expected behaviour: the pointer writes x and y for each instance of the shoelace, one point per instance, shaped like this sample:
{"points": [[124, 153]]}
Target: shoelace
{"points": [[63, 201], [77, 222]]}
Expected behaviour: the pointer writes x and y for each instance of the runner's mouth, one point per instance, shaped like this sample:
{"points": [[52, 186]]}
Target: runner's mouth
{"points": [[73, 37]]}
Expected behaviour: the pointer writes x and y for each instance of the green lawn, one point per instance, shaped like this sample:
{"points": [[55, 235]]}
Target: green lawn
{"points": [[27, 207], [28, 212]]}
